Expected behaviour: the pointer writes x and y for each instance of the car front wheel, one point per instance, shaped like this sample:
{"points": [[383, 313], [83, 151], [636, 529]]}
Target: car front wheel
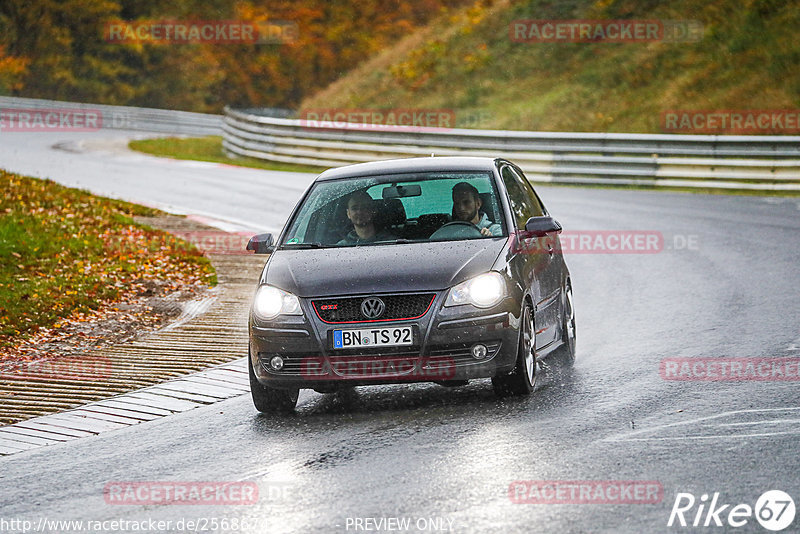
{"points": [[271, 400], [522, 380], [566, 353]]}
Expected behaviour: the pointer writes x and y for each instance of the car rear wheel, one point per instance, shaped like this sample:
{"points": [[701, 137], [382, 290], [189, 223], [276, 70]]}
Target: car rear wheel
{"points": [[271, 400], [522, 380]]}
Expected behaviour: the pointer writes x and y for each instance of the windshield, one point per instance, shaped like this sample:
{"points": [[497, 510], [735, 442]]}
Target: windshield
{"points": [[398, 208]]}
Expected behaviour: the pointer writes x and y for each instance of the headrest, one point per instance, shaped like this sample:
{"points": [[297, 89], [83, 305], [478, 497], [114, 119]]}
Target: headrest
{"points": [[391, 212]]}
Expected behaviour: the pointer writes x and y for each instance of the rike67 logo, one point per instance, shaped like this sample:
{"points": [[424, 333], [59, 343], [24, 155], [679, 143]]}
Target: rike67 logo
{"points": [[774, 510]]}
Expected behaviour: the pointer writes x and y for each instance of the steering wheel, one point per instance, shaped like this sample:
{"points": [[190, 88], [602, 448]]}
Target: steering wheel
{"points": [[456, 230]]}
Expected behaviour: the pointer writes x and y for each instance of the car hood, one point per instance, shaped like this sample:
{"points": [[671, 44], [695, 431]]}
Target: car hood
{"points": [[380, 268]]}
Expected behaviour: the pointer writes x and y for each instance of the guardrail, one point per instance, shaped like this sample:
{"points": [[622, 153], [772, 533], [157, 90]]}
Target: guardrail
{"points": [[127, 118], [705, 161]]}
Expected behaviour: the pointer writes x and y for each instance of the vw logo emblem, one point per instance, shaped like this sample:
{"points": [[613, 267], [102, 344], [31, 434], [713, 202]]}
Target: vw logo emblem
{"points": [[372, 307]]}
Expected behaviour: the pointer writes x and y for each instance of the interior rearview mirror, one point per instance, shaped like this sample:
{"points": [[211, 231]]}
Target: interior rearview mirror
{"points": [[401, 191]]}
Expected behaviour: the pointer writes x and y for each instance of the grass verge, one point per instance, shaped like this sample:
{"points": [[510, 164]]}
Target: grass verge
{"points": [[210, 149], [64, 251]]}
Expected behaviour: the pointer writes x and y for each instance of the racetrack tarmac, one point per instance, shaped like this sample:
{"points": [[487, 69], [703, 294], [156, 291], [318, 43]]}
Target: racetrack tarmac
{"points": [[724, 285]]}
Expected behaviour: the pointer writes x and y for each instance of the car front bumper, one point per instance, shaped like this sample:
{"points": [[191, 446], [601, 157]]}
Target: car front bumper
{"points": [[444, 337]]}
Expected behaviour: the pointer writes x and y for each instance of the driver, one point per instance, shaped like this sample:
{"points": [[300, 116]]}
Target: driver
{"points": [[361, 212], [466, 207]]}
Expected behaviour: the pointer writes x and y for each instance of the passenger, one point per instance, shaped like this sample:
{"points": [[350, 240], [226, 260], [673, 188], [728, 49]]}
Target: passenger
{"points": [[466, 207], [361, 212]]}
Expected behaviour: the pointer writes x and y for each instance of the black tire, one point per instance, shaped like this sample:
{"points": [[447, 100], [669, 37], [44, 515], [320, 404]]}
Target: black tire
{"points": [[522, 380], [271, 400], [565, 355]]}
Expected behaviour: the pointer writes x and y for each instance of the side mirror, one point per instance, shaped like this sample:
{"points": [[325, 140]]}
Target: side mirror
{"points": [[261, 244], [541, 226]]}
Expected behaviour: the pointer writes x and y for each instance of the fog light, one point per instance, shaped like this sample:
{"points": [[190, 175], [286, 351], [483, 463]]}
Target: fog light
{"points": [[479, 351], [276, 363]]}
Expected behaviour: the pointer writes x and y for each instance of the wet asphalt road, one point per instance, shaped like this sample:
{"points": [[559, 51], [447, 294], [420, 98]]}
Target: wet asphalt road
{"points": [[444, 458]]}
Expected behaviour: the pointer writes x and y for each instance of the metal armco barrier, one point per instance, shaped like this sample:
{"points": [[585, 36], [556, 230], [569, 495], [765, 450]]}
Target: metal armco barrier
{"points": [[705, 161], [127, 118], [659, 160]]}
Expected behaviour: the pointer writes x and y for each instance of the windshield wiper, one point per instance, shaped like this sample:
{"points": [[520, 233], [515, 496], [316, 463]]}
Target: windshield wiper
{"points": [[400, 241], [302, 245]]}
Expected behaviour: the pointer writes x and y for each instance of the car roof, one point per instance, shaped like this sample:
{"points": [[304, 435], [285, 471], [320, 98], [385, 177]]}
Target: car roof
{"points": [[396, 166]]}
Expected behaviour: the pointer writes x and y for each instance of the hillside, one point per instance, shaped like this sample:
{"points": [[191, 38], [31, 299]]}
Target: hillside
{"points": [[747, 58]]}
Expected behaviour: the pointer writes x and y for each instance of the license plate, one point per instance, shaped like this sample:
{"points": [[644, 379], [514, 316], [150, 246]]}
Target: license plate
{"points": [[373, 337]]}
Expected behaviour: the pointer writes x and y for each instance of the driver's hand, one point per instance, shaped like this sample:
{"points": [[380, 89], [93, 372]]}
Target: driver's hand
{"points": [[486, 231]]}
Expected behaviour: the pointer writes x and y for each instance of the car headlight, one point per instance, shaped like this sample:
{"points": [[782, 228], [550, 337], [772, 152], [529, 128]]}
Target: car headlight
{"points": [[483, 291], [271, 302]]}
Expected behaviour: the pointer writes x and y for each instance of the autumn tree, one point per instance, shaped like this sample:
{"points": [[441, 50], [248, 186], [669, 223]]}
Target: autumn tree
{"points": [[56, 49]]}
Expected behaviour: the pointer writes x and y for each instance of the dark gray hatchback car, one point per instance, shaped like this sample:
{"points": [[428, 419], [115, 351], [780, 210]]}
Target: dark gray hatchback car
{"points": [[414, 270]]}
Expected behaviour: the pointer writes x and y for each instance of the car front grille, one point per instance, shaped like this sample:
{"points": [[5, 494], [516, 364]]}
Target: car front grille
{"points": [[397, 308], [455, 354]]}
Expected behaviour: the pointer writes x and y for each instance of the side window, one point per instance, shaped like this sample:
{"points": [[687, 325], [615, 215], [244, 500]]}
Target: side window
{"points": [[521, 205], [538, 209]]}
